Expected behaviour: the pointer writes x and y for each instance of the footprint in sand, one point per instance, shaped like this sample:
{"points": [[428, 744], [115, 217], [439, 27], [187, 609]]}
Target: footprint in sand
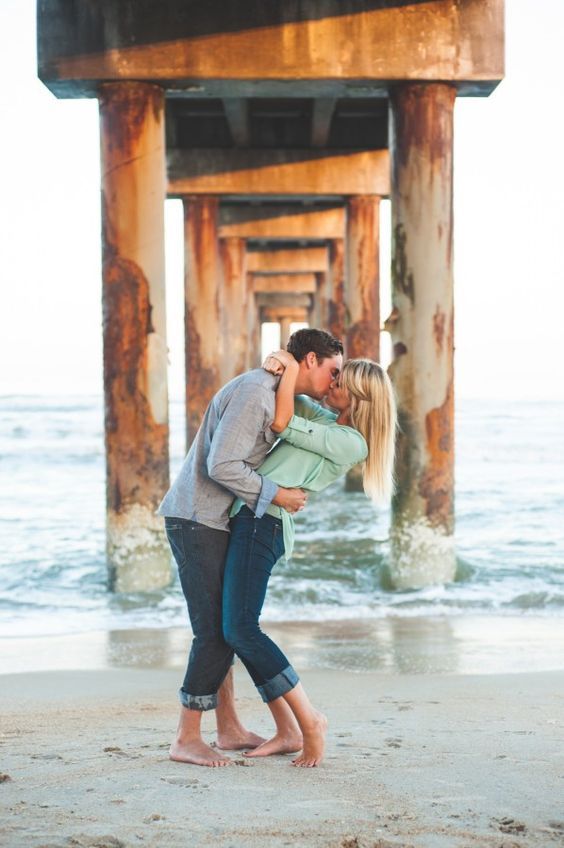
{"points": [[508, 825], [118, 752], [181, 781], [393, 743]]}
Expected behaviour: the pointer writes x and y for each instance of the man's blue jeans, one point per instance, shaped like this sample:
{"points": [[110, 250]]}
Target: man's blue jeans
{"points": [[255, 545], [200, 552]]}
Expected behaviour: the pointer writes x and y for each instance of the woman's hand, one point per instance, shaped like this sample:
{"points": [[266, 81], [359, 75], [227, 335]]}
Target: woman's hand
{"points": [[277, 362]]}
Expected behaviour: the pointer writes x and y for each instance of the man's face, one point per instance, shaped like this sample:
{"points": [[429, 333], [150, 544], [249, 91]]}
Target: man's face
{"points": [[322, 375]]}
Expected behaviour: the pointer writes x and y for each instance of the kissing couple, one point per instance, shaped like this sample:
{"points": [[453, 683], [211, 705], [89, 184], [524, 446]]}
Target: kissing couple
{"points": [[264, 443]]}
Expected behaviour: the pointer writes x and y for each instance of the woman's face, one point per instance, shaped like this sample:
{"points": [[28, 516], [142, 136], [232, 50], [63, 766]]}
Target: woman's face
{"points": [[338, 397]]}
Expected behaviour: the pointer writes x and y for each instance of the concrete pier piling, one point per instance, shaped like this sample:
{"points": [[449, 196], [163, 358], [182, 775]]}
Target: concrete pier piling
{"points": [[422, 326], [135, 352], [202, 309], [234, 307]]}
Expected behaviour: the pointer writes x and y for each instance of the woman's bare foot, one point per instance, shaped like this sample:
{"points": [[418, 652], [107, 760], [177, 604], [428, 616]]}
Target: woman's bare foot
{"points": [[238, 740], [279, 744], [198, 753], [314, 744]]}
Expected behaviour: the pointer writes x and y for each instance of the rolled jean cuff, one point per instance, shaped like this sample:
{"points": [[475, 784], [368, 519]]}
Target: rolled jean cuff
{"points": [[279, 685], [197, 702]]}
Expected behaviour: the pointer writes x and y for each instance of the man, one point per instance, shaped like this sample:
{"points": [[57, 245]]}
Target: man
{"points": [[232, 441]]}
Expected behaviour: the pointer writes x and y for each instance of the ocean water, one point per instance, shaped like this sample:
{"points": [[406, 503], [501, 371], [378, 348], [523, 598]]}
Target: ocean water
{"points": [[510, 528]]}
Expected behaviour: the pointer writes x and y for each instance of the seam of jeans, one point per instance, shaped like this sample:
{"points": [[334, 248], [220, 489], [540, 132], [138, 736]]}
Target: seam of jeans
{"points": [[249, 553]]}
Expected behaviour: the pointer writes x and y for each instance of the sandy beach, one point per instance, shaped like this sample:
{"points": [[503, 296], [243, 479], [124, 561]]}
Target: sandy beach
{"points": [[441, 758]]}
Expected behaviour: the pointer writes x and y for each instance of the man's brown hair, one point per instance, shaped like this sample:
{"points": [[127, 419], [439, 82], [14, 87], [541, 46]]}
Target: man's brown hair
{"points": [[323, 344]]}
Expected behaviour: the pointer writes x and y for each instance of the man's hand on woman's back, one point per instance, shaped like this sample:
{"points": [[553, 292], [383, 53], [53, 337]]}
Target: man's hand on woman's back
{"points": [[292, 500]]}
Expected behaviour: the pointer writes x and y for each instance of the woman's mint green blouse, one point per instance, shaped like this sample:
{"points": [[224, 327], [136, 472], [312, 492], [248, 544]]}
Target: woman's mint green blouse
{"points": [[313, 451]]}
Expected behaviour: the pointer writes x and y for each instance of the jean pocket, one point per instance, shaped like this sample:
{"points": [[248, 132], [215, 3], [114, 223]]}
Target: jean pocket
{"points": [[175, 536]]}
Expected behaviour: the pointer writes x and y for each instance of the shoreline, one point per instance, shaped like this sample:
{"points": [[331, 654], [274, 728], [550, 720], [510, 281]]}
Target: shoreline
{"points": [[395, 645]]}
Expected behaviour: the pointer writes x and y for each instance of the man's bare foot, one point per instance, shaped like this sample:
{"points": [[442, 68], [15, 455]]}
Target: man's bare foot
{"points": [[198, 753], [238, 740], [314, 744]]}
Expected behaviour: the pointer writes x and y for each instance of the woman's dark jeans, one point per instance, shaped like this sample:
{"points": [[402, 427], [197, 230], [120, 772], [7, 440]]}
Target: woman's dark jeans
{"points": [[255, 545], [200, 552]]}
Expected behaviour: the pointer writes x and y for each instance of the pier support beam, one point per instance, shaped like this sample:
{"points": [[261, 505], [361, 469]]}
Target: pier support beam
{"points": [[135, 352], [203, 327], [362, 291], [336, 288], [421, 326], [234, 308], [362, 277]]}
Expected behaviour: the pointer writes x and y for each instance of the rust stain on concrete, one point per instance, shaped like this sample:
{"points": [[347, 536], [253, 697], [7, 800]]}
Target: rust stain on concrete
{"points": [[402, 276], [124, 107], [424, 113], [439, 319], [436, 480], [137, 447]]}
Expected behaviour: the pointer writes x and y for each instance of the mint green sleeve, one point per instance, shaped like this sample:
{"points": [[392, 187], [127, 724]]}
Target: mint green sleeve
{"points": [[305, 407], [341, 445]]}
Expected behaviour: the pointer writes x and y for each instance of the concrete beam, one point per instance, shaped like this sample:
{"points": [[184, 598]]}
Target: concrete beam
{"points": [[257, 49], [302, 173], [290, 315], [281, 222], [298, 260], [298, 283], [237, 114], [284, 301]]}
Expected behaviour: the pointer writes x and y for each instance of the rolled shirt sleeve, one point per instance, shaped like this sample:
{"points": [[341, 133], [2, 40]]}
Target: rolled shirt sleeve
{"points": [[342, 445], [233, 442]]}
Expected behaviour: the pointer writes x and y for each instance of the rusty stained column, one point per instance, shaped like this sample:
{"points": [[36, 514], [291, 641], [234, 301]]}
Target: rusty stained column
{"points": [[135, 352], [421, 326], [336, 289], [320, 314], [362, 291], [362, 277], [254, 328], [234, 308], [203, 327], [285, 331]]}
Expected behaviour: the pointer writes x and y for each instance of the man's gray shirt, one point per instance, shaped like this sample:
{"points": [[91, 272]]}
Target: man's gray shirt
{"points": [[232, 441]]}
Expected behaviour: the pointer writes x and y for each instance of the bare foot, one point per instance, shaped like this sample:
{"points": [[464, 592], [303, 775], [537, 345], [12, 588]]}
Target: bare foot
{"points": [[197, 752], [314, 744], [237, 740], [277, 745]]}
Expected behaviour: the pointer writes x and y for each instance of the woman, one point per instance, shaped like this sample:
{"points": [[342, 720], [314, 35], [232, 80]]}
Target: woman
{"points": [[317, 446]]}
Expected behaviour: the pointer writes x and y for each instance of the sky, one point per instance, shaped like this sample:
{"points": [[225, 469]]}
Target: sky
{"points": [[509, 221]]}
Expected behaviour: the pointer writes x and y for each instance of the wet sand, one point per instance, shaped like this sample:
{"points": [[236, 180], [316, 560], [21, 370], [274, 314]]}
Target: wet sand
{"points": [[417, 755]]}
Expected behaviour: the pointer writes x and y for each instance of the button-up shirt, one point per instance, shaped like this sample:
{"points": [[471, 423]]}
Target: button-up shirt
{"points": [[232, 441]]}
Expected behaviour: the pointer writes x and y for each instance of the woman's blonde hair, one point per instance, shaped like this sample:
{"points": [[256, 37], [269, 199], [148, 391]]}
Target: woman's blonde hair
{"points": [[373, 413]]}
